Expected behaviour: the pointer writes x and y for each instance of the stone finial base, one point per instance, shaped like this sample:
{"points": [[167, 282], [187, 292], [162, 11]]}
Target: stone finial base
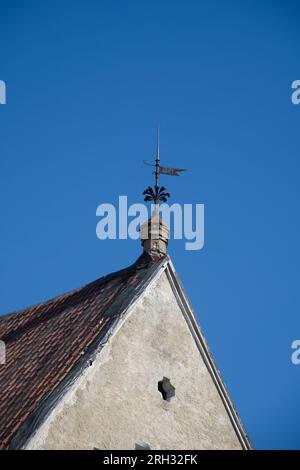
{"points": [[155, 236]]}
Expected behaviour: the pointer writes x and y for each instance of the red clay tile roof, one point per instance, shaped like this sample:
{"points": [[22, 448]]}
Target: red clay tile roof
{"points": [[46, 342]]}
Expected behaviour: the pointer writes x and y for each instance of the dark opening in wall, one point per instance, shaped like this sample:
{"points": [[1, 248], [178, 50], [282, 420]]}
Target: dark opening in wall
{"points": [[141, 445], [166, 389]]}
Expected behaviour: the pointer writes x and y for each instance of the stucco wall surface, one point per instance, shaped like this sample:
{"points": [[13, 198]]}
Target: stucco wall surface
{"points": [[116, 403]]}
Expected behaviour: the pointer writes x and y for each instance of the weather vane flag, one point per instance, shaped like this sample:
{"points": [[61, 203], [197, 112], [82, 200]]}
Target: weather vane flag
{"points": [[159, 193]]}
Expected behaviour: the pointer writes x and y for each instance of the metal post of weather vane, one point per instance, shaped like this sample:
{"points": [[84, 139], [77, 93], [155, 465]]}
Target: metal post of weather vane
{"points": [[157, 167], [159, 194]]}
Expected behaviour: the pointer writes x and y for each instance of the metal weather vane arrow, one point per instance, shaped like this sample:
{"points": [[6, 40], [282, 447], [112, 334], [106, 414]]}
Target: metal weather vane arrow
{"points": [[159, 193], [165, 170]]}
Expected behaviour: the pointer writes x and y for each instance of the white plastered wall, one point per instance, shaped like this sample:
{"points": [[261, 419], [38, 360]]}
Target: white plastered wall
{"points": [[115, 402]]}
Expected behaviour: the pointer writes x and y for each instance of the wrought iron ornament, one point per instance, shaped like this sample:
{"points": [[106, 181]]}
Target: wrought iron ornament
{"points": [[159, 193]]}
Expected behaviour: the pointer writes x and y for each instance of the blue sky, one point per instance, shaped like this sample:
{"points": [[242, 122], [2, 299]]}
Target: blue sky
{"points": [[87, 83]]}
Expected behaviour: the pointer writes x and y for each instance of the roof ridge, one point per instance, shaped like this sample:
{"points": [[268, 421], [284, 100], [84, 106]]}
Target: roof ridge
{"points": [[138, 264]]}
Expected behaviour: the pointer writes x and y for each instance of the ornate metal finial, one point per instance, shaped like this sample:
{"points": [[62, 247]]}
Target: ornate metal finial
{"points": [[159, 194]]}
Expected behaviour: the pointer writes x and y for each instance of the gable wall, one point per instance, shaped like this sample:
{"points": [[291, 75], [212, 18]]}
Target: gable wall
{"points": [[115, 403]]}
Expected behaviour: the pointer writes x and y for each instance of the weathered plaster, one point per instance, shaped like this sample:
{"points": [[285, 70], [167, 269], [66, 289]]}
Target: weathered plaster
{"points": [[115, 403]]}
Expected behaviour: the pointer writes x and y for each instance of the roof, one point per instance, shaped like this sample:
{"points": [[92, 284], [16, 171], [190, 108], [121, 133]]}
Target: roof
{"points": [[49, 343]]}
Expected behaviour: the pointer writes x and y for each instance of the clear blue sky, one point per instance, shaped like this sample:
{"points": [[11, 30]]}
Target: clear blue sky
{"points": [[87, 84]]}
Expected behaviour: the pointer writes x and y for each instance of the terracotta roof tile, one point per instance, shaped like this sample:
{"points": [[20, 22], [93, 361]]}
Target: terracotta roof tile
{"points": [[45, 342]]}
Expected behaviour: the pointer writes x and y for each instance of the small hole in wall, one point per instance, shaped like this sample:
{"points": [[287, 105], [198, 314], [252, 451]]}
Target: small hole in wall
{"points": [[141, 445], [166, 389]]}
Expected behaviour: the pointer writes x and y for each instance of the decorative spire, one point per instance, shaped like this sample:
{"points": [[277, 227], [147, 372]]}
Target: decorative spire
{"points": [[159, 193], [155, 234]]}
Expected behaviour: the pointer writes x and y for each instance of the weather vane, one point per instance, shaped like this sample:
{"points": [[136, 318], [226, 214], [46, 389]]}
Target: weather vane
{"points": [[159, 193]]}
